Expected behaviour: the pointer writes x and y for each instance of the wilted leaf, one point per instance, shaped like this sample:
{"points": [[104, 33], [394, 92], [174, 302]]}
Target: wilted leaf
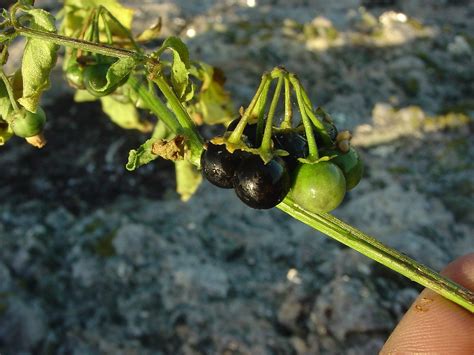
{"points": [[188, 179], [124, 114], [39, 58], [173, 149]]}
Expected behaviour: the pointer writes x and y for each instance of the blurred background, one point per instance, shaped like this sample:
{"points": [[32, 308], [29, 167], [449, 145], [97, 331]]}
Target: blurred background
{"points": [[97, 260]]}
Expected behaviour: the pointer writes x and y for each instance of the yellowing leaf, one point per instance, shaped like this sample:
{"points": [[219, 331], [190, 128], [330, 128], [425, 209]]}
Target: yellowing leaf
{"points": [[124, 114], [76, 12], [188, 179], [39, 58], [212, 105], [150, 33], [84, 96]]}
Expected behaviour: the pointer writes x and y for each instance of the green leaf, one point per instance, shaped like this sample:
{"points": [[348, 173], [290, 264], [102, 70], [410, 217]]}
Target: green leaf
{"points": [[5, 104], [77, 11], [212, 105], [143, 155], [39, 58], [124, 114], [188, 179], [180, 66]]}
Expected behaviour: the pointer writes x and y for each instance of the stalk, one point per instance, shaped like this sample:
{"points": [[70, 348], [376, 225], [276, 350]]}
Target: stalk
{"points": [[9, 88], [267, 135], [286, 124], [155, 105], [312, 147], [239, 130], [380, 253], [83, 45], [189, 128]]}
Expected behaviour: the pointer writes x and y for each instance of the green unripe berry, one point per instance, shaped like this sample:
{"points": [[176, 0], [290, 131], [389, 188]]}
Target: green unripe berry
{"points": [[27, 124], [75, 76], [350, 164], [318, 187]]}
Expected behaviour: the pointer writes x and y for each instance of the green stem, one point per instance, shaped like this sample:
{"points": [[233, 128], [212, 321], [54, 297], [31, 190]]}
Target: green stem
{"points": [[155, 105], [312, 147], [286, 124], [267, 136], [317, 123], [382, 254], [262, 104], [195, 140], [83, 45], [239, 130], [108, 33], [9, 88]]}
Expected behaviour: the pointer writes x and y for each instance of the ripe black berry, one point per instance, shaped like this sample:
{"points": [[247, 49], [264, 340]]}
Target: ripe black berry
{"points": [[294, 143], [261, 185], [218, 165]]}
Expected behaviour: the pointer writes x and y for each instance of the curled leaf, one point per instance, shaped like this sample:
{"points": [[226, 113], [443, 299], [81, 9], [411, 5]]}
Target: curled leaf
{"points": [[117, 74], [180, 66], [39, 58], [143, 154]]}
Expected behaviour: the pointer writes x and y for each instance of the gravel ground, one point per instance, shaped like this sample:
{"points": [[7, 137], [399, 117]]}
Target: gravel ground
{"points": [[96, 260]]}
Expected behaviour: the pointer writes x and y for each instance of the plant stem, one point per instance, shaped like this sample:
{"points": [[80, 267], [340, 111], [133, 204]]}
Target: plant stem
{"points": [[312, 147], [317, 123], [83, 45], [262, 104], [375, 250], [267, 135], [195, 140], [155, 105], [9, 88], [237, 133], [286, 124]]}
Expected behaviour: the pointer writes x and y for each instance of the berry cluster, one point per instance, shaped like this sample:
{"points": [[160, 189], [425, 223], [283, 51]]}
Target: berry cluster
{"points": [[311, 162]]}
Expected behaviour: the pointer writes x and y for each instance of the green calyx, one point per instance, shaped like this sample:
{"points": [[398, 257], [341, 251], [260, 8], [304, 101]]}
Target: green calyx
{"points": [[27, 124]]}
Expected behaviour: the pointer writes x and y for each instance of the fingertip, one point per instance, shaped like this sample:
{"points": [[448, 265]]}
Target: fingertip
{"points": [[434, 324]]}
